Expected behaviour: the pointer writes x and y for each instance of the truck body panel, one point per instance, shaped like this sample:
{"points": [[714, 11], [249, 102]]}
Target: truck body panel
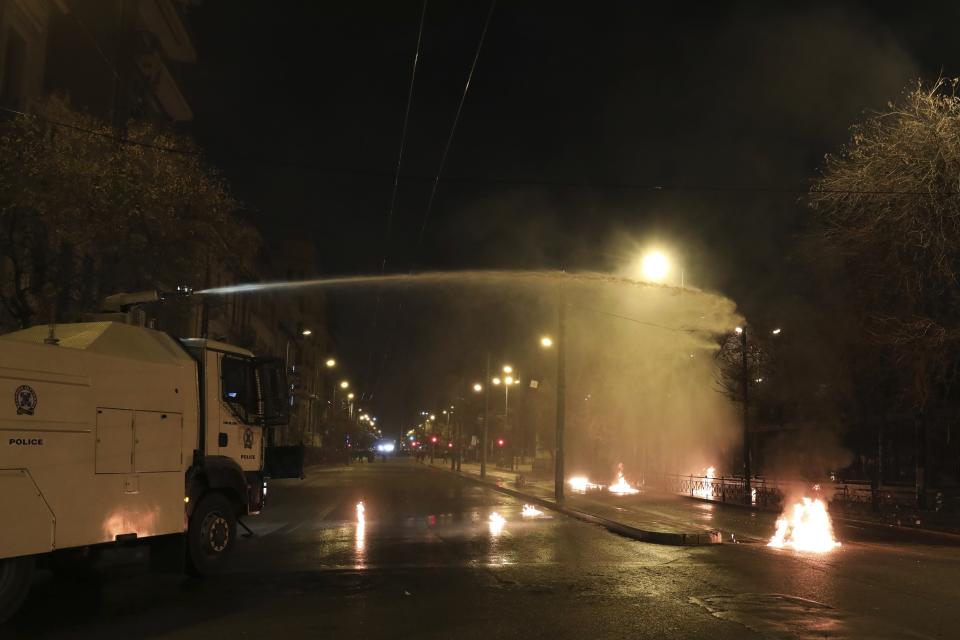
{"points": [[103, 423], [34, 528]]}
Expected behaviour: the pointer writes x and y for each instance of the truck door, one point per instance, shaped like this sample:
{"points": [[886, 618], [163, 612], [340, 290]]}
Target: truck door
{"points": [[240, 435]]}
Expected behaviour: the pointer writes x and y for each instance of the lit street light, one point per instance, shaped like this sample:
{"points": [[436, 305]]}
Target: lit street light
{"points": [[655, 266], [306, 332], [477, 387], [331, 363], [546, 342], [344, 384], [507, 382]]}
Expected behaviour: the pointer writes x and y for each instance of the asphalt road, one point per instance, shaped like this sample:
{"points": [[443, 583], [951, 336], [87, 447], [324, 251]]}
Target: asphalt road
{"points": [[428, 564]]}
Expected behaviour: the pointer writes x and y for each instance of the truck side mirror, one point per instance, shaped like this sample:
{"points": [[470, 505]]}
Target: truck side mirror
{"points": [[273, 392]]}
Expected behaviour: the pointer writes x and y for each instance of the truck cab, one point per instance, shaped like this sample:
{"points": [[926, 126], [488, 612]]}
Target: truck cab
{"points": [[241, 396]]}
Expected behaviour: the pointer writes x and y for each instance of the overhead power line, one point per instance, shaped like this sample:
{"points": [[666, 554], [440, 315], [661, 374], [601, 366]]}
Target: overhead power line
{"points": [[107, 136], [634, 320], [403, 131], [393, 201], [453, 128]]}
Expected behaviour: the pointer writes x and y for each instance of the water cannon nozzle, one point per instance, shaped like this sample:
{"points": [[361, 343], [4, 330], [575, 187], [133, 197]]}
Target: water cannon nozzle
{"points": [[182, 291]]}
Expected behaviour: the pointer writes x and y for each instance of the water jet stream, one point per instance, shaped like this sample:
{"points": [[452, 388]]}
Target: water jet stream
{"points": [[442, 277]]}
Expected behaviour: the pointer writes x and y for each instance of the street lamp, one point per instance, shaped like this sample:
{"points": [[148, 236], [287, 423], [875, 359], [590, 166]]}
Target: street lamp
{"points": [[477, 387], [507, 382], [344, 384], [350, 396], [655, 266], [331, 363], [546, 342], [306, 332]]}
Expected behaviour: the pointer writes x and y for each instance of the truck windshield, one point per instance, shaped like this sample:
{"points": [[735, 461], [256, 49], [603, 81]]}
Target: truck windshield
{"points": [[238, 383]]}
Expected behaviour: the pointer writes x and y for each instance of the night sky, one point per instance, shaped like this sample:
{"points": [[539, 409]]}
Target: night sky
{"points": [[577, 111]]}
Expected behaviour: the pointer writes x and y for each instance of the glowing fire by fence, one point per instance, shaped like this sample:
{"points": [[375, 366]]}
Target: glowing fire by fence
{"points": [[706, 491], [621, 487], [530, 511], [805, 527]]}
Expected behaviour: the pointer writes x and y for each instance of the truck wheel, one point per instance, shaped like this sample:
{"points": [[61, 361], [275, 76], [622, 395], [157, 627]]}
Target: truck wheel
{"points": [[16, 574], [211, 535]]}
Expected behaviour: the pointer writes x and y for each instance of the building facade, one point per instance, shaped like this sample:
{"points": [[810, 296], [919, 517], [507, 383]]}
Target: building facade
{"points": [[116, 59]]}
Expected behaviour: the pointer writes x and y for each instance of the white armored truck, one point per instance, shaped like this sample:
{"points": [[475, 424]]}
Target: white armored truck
{"points": [[113, 433]]}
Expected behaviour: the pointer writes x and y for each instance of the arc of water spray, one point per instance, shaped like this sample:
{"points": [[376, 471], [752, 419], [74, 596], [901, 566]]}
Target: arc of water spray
{"points": [[432, 277]]}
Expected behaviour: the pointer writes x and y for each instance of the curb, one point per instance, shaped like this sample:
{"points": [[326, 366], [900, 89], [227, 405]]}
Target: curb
{"points": [[900, 529], [894, 529], [625, 530]]}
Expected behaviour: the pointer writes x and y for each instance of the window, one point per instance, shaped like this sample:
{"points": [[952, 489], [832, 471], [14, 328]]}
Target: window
{"points": [[238, 384]]}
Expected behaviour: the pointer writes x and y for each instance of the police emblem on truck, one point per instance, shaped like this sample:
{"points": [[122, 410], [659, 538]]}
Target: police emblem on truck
{"points": [[26, 400]]}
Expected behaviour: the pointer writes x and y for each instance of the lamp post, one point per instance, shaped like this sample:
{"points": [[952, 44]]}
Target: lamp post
{"points": [[486, 422], [745, 381], [558, 461], [479, 388], [507, 381], [343, 384]]}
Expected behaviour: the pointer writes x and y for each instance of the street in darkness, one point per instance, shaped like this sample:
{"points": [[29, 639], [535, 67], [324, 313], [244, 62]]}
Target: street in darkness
{"points": [[428, 563], [479, 319]]}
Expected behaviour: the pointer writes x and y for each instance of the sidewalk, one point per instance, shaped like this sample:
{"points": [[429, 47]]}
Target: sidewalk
{"points": [[664, 520], [674, 519]]}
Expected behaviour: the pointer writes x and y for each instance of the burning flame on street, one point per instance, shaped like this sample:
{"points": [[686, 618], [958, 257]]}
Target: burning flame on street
{"points": [[497, 522], [621, 487], [805, 527], [581, 484], [530, 511], [361, 534], [706, 491]]}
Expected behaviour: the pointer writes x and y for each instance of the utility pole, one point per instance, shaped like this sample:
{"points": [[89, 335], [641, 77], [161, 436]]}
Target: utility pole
{"points": [[458, 428], [451, 434], [561, 399], [486, 421], [745, 374]]}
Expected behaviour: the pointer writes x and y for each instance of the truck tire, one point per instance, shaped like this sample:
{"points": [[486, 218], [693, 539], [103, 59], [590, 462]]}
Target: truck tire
{"points": [[211, 535], [16, 575]]}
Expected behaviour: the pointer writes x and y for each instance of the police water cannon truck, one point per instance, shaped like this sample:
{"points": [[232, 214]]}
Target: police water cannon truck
{"points": [[116, 433]]}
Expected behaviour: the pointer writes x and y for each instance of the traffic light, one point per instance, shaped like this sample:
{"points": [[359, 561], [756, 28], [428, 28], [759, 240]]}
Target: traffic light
{"points": [[500, 442], [433, 439]]}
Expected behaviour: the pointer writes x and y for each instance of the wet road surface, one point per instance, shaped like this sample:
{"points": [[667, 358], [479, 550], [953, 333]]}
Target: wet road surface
{"points": [[427, 563]]}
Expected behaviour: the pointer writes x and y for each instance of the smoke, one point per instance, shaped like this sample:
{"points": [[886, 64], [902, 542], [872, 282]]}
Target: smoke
{"points": [[809, 452], [640, 388], [639, 365]]}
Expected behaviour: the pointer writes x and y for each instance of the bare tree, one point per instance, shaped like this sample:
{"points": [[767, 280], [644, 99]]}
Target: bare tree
{"points": [[889, 204], [83, 214]]}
